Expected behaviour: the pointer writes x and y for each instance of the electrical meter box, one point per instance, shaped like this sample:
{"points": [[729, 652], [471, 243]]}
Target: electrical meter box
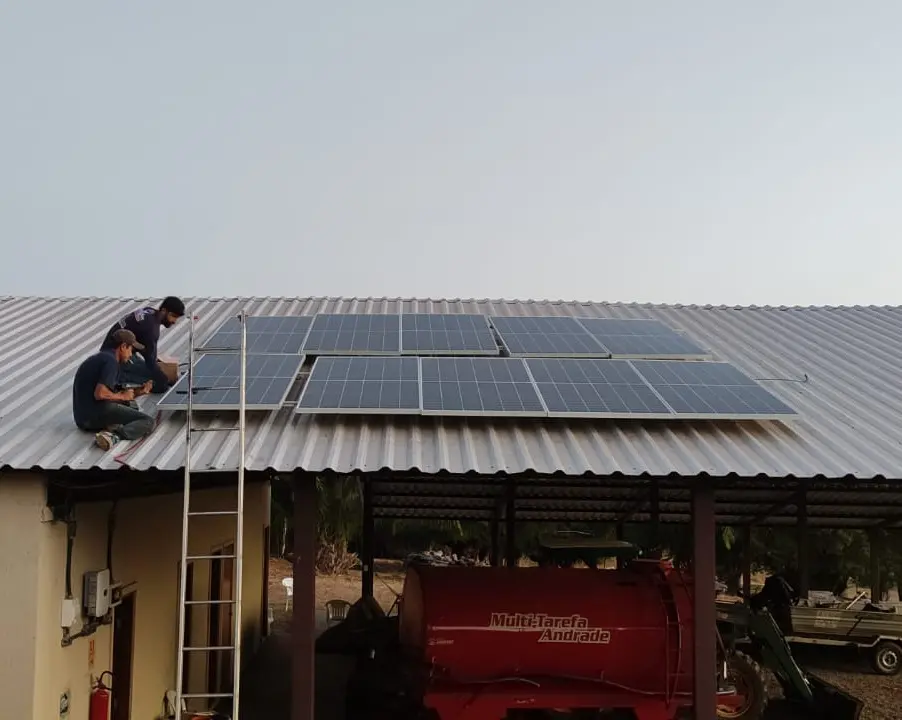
{"points": [[97, 593]]}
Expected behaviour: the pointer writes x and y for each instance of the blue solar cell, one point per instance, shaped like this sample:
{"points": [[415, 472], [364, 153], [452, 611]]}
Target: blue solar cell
{"points": [[641, 338], [710, 390], [266, 334], [362, 385], [217, 377], [438, 334], [584, 387], [478, 386], [546, 337], [354, 334]]}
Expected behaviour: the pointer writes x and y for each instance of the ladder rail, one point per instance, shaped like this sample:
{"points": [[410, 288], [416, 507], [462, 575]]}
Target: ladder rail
{"points": [[184, 646], [186, 506], [239, 530]]}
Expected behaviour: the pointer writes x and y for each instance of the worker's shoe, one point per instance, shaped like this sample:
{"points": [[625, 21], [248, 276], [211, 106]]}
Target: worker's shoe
{"points": [[105, 440]]}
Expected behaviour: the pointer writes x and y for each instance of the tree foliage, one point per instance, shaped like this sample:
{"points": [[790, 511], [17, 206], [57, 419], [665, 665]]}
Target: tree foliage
{"points": [[835, 555]]}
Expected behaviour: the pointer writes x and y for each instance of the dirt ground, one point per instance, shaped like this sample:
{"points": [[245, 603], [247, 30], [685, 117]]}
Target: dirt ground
{"points": [[882, 696]]}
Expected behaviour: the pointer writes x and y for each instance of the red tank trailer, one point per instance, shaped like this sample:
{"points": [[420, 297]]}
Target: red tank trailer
{"points": [[492, 640]]}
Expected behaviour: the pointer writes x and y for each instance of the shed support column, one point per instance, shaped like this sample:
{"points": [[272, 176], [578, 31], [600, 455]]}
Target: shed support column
{"points": [[366, 545], [510, 527], [495, 534], [747, 561], [655, 502], [802, 543], [876, 557], [705, 620], [619, 534], [304, 602]]}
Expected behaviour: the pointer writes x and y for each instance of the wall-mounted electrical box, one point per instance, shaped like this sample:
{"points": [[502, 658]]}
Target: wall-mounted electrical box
{"points": [[97, 593]]}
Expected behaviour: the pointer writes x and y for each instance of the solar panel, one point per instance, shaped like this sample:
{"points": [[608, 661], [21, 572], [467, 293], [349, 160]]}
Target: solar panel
{"points": [[354, 334], [365, 385], [584, 387], [547, 337], [478, 386], [434, 334], [216, 380], [710, 390], [266, 334], [641, 338]]}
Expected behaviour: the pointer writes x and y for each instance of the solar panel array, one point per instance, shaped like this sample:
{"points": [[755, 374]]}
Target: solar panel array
{"points": [[641, 338], [478, 386], [547, 337], [429, 334], [354, 334], [537, 387], [362, 385], [265, 335], [574, 387], [448, 364], [216, 381]]}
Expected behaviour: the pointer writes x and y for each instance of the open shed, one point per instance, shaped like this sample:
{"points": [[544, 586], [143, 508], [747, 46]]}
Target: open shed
{"points": [[836, 465]]}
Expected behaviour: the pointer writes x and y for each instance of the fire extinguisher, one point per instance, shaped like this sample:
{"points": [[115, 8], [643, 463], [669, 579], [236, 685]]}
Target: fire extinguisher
{"points": [[100, 699]]}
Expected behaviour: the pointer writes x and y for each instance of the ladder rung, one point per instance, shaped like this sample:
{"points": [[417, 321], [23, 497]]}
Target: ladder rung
{"points": [[193, 696], [211, 557], [213, 512], [209, 602], [208, 648], [205, 471], [222, 429]]}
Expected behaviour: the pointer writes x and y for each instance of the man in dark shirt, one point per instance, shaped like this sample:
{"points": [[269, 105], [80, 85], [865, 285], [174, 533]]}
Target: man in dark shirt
{"points": [[96, 404], [145, 323]]}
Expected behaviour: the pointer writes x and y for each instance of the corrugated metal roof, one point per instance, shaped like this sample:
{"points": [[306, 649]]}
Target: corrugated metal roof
{"points": [[851, 405]]}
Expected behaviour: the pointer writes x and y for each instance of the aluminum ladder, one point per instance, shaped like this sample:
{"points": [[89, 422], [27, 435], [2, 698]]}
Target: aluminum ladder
{"points": [[182, 697]]}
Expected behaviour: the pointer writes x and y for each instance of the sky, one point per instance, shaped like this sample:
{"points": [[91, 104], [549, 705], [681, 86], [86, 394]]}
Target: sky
{"points": [[691, 152]]}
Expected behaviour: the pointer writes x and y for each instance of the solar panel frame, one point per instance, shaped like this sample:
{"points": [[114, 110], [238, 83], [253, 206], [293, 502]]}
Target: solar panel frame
{"points": [[284, 367], [358, 365], [480, 329], [583, 383], [642, 338], [525, 336], [479, 368], [681, 384], [265, 335], [327, 330]]}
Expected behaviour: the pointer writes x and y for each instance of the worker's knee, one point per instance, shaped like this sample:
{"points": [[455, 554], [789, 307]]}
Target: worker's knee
{"points": [[144, 425]]}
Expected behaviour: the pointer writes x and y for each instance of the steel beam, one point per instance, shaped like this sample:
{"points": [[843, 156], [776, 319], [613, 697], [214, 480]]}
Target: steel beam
{"points": [[367, 540], [303, 631], [705, 618]]}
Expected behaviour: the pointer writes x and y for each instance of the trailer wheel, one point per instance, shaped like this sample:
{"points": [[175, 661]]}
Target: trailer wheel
{"points": [[887, 658], [748, 678]]}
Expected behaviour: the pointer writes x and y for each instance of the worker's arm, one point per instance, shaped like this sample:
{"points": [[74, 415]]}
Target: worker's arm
{"points": [[109, 378], [104, 394]]}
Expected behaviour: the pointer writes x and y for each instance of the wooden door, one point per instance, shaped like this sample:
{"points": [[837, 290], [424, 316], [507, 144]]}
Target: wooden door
{"points": [[123, 651], [222, 582]]}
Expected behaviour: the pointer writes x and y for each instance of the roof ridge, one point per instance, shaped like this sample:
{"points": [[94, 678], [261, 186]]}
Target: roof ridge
{"points": [[470, 300]]}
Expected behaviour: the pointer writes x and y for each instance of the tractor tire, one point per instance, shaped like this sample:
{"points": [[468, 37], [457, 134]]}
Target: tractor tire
{"points": [[748, 677], [887, 658]]}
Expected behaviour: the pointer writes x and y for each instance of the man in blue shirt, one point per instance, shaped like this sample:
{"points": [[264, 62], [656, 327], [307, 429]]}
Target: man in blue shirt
{"points": [[98, 407], [145, 323]]}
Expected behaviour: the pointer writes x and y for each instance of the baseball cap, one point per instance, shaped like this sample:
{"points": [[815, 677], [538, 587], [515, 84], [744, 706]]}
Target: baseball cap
{"points": [[126, 337]]}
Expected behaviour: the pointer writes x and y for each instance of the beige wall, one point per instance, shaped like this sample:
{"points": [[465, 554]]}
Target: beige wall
{"points": [[146, 549], [21, 503]]}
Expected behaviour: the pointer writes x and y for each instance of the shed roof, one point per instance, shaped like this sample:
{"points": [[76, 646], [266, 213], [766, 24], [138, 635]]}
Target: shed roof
{"points": [[850, 406]]}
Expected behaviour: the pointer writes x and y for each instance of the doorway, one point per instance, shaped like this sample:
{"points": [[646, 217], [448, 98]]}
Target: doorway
{"points": [[123, 652], [221, 630]]}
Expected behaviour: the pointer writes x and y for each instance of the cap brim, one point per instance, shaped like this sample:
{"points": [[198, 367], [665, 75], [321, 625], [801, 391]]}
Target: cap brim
{"points": [[137, 346]]}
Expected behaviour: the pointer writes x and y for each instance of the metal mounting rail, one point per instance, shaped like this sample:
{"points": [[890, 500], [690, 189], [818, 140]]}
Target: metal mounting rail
{"points": [[205, 554]]}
